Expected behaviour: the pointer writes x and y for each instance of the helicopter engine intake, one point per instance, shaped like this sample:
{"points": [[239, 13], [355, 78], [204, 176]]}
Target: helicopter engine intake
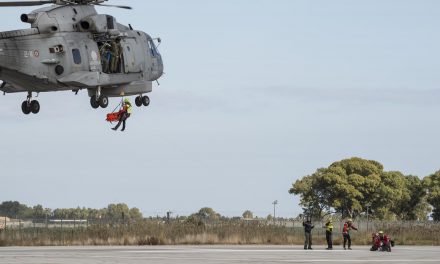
{"points": [[28, 18]]}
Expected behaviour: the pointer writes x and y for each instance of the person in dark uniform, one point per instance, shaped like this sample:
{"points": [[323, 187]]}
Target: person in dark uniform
{"points": [[116, 50], [308, 234]]}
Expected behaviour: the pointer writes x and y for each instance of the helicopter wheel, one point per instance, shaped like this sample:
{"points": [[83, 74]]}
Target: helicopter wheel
{"points": [[26, 108], [138, 101], [34, 107], [93, 102], [145, 100], [103, 101]]}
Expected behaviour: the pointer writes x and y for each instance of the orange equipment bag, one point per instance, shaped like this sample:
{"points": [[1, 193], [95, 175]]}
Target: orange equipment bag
{"points": [[112, 117]]}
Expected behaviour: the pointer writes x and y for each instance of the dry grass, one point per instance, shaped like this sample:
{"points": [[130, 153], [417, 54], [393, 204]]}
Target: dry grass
{"points": [[176, 233]]}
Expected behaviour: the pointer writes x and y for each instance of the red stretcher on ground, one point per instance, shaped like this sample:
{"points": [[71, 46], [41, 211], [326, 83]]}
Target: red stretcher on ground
{"points": [[113, 117]]}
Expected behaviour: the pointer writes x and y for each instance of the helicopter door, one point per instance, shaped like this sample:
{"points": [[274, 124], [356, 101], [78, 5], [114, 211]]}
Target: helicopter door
{"points": [[93, 57], [130, 65]]}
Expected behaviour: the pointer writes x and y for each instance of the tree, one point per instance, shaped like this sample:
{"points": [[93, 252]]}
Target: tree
{"points": [[248, 215], [14, 209], [204, 215], [413, 204], [38, 212], [269, 217], [432, 184], [118, 211], [347, 186], [135, 214], [208, 213]]}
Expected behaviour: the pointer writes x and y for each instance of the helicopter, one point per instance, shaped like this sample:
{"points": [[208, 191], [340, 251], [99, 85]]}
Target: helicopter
{"points": [[70, 47]]}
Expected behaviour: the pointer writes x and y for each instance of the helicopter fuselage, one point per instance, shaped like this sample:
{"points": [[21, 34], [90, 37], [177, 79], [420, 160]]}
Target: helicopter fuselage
{"points": [[72, 47]]}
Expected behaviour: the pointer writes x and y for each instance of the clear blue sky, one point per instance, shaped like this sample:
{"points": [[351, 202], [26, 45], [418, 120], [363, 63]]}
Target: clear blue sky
{"points": [[256, 95]]}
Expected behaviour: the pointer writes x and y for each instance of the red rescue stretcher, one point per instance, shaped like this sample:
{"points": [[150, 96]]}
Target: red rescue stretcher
{"points": [[112, 117]]}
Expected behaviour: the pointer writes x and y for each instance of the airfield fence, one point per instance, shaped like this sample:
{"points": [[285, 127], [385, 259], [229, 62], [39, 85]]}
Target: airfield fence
{"points": [[42, 232]]}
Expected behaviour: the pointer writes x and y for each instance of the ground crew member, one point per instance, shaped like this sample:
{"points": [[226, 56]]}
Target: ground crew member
{"points": [[346, 232], [125, 113], [329, 234], [381, 242], [116, 49], [308, 234]]}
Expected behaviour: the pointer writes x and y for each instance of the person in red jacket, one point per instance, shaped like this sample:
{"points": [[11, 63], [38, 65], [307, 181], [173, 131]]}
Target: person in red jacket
{"points": [[346, 232], [381, 242]]}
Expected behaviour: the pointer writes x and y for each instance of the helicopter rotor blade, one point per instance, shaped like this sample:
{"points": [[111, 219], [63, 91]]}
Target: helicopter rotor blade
{"points": [[25, 3], [117, 6]]}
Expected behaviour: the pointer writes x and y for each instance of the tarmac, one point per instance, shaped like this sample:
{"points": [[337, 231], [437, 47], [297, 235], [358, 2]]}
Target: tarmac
{"points": [[214, 255]]}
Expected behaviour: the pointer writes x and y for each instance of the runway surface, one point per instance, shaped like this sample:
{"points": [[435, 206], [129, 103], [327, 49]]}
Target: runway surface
{"points": [[214, 255]]}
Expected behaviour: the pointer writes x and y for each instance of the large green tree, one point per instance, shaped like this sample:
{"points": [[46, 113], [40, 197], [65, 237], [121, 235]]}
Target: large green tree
{"points": [[350, 185]]}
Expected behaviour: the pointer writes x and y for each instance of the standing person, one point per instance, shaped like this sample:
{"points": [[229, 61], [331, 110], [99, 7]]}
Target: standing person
{"points": [[346, 232], [106, 56], [329, 234], [116, 49], [125, 113], [308, 234]]}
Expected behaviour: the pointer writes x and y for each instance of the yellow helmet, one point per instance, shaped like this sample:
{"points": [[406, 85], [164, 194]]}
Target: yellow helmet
{"points": [[126, 100]]}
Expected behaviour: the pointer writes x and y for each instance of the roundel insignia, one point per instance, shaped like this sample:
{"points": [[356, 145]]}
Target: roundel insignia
{"points": [[36, 53]]}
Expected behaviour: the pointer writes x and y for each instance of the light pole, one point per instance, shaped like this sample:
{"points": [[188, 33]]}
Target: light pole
{"points": [[368, 205], [274, 208]]}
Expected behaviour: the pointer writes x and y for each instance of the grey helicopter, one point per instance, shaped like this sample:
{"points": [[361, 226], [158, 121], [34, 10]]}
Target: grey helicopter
{"points": [[70, 47]]}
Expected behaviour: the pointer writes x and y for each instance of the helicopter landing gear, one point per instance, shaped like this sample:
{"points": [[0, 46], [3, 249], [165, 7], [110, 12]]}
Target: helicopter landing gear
{"points": [[142, 100], [99, 100], [30, 106]]}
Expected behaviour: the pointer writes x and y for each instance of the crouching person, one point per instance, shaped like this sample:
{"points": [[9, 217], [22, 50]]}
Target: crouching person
{"points": [[381, 242]]}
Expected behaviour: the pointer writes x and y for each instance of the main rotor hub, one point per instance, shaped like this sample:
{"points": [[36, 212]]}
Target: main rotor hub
{"points": [[79, 2]]}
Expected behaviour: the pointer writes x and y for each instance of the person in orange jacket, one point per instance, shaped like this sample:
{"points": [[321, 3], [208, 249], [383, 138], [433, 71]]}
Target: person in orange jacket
{"points": [[381, 242], [346, 232]]}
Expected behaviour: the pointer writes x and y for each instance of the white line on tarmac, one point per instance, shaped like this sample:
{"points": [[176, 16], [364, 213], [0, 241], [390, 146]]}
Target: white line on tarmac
{"points": [[267, 260], [234, 251]]}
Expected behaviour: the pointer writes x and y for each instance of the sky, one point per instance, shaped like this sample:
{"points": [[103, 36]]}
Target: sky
{"points": [[256, 94]]}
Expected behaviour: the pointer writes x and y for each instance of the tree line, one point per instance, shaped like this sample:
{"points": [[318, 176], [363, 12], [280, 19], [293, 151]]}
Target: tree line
{"points": [[121, 211], [350, 187]]}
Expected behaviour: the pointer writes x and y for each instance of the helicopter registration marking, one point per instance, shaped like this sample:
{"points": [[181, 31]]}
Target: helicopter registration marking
{"points": [[31, 53]]}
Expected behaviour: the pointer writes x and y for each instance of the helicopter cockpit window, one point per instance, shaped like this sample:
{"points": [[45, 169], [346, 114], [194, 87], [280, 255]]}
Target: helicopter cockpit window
{"points": [[153, 49], [76, 56]]}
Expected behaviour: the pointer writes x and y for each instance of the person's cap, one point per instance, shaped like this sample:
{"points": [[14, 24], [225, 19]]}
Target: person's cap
{"points": [[126, 100], [350, 220], [380, 232]]}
